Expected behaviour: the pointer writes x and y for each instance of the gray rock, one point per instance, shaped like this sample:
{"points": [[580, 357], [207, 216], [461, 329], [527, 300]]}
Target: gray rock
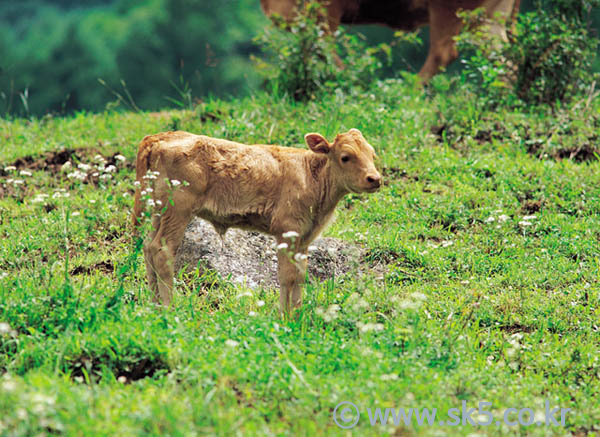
{"points": [[250, 257]]}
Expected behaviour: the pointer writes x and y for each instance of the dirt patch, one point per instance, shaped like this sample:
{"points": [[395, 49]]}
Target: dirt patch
{"points": [[531, 206], [17, 192], [132, 368], [395, 173], [212, 116], [517, 327], [438, 130], [52, 162], [588, 151], [102, 266], [251, 257]]}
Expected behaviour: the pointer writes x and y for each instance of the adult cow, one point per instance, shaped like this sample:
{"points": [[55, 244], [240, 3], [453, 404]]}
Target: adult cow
{"points": [[408, 15]]}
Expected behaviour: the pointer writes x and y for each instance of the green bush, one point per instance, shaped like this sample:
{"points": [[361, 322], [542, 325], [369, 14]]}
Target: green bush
{"points": [[549, 57], [304, 58]]}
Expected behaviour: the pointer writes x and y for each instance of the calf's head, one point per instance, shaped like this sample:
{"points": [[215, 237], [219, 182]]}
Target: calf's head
{"points": [[352, 160]]}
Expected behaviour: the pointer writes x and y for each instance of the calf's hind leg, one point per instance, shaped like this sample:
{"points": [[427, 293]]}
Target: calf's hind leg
{"points": [[162, 251], [150, 270]]}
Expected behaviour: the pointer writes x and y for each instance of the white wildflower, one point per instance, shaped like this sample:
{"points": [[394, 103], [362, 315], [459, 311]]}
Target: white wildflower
{"points": [[175, 182], [79, 175], [136, 183], [252, 313], [149, 190], [92, 201], [282, 246], [389, 377], [447, 243], [25, 173], [76, 214], [120, 158], [357, 302], [502, 218], [367, 327], [99, 158], [18, 182], [244, 294], [260, 303], [150, 202], [231, 343], [408, 304], [122, 379], [525, 223], [331, 313], [312, 248], [84, 167], [110, 169], [529, 217], [158, 202], [10, 168], [490, 220], [418, 296], [8, 385], [4, 328], [39, 198], [66, 166], [300, 257], [105, 176], [290, 234]]}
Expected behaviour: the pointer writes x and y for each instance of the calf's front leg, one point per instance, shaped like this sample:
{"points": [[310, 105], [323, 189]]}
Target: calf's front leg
{"points": [[162, 251], [291, 273]]}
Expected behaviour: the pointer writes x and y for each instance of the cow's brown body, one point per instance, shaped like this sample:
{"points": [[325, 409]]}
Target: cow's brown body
{"points": [[409, 15], [275, 190]]}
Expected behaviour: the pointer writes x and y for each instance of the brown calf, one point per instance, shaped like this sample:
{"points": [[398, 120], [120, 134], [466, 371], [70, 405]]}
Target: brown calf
{"points": [[285, 192]]}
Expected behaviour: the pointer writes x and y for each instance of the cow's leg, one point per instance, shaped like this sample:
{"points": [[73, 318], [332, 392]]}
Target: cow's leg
{"points": [[150, 270], [444, 25], [162, 251], [291, 273], [499, 13], [301, 265]]}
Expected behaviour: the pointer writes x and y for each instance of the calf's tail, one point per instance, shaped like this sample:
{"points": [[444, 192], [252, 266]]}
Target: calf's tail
{"points": [[141, 169]]}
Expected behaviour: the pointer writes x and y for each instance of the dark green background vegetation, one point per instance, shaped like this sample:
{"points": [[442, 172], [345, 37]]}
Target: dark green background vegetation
{"points": [[52, 52]]}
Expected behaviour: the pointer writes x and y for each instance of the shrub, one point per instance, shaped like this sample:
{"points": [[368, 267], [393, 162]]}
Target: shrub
{"points": [[549, 57], [304, 56]]}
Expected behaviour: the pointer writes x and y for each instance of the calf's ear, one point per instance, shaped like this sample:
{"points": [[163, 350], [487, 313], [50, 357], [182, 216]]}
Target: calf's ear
{"points": [[317, 143]]}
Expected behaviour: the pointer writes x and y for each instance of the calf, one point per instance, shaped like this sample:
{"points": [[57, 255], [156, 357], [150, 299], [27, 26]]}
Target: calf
{"points": [[282, 191]]}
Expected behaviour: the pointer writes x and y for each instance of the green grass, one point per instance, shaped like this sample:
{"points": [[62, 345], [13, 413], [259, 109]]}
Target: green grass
{"points": [[477, 304]]}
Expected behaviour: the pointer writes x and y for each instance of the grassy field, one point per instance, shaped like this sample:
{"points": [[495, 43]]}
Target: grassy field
{"points": [[489, 225]]}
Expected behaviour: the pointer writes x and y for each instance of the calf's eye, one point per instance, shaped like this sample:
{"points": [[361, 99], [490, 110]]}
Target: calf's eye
{"points": [[345, 158]]}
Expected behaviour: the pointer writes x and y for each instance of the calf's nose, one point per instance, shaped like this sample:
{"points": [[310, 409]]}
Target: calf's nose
{"points": [[374, 179]]}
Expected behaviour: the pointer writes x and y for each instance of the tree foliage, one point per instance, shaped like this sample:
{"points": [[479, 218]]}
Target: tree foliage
{"points": [[57, 51]]}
